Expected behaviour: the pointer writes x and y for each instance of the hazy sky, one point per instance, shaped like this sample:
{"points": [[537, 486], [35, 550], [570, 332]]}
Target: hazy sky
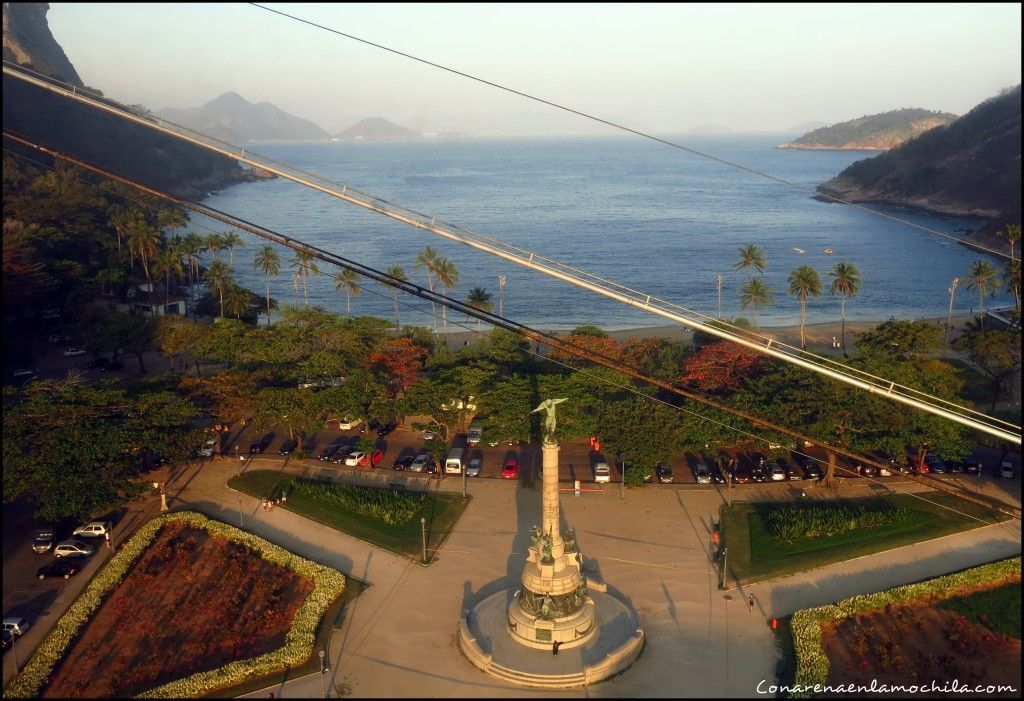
{"points": [[665, 68]]}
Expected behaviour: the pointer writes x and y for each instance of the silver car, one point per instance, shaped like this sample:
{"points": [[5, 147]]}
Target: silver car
{"points": [[73, 547], [474, 467], [703, 473]]}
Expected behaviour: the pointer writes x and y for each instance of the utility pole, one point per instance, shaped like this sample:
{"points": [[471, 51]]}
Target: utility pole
{"points": [[501, 295], [949, 314], [423, 527], [721, 572], [718, 282]]}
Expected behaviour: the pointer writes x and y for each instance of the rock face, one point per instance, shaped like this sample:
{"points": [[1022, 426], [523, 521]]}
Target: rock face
{"points": [[28, 42], [232, 118], [377, 129], [970, 167], [876, 132]]}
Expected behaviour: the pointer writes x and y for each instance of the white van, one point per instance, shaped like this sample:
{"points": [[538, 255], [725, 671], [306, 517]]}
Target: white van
{"points": [[453, 463]]}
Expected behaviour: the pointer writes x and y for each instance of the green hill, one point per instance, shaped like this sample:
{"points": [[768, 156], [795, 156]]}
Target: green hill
{"points": [[875, 132], [232, 118], [970, 167]]}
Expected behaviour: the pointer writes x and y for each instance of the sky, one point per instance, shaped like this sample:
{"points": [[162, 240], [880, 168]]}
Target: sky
{"points": [[664, 68]]}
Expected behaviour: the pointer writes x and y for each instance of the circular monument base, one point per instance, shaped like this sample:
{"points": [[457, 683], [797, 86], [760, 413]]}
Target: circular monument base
{"points": [[487, 641], [570, 631]]}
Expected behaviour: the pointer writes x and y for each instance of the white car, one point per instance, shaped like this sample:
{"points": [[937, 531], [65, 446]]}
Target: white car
{"points": [[15, 625], [72, 352], [703, 473], [346, 424], [73, 547], [93, 529], [778, 472], [23, 372], [474, 467], [1006, 469], [354, 457], [602, 473], [208, 447]]}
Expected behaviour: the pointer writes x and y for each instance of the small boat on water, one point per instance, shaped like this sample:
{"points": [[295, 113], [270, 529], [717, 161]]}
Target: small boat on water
{"points": [[828, 251], [798, 250]]}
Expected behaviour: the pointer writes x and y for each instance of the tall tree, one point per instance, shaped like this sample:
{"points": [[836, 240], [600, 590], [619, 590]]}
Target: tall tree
{"points": [[397, 272], [348, 280], [305, 265], [479, 298], [220, 278], [804, 282], [447, 275], [171, 218], [215, 244], [143, 240], [1011, 280], [751, 258], [231, 239], [237, 300], [167, 263], [845, 282], [268, 262], [757, 294], [1012, 234], [427, 260], [984, 278], [121, 221]]}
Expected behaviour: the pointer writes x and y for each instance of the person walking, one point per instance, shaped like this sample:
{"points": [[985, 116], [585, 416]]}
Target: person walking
{"points": [[263, 503], [106, 538], [750, 603]]}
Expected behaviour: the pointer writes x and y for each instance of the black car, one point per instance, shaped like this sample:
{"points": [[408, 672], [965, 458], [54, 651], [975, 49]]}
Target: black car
{"points": [[757, 474], [387, 428], [261, 445], [61, 567], [7, 641], [812, 470], [404, 462], [792, 471], [935, 463], [288, 447], [717, 476], [664, 473], [971, 465], [330, 451]]}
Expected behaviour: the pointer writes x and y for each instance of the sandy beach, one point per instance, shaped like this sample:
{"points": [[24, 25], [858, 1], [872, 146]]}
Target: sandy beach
{"points": [[819, 336]]}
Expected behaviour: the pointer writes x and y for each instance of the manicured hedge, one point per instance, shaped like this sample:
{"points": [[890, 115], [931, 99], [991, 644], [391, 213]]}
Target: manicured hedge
{"points": [[811, 661], [327, 586]]}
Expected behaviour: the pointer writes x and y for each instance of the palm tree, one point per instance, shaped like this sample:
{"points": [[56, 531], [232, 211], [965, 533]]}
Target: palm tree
{"points": [[448, 275], [750, 257], [121, 221], [191, 247], [984, 278], [220, 278], [306, 266], [215, 243], [167, 263], [269, 263], [348, 280], [397, 272], [1011, 280], [758, 294], [237, 300], [1012, 234], [479, 298], [143, 240], [804, 282], [427, 260], [845, 281], [230, 240], [171, 218]]}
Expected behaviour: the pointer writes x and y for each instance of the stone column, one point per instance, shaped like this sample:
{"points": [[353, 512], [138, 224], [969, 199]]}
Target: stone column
{"points": [[550, 505]]}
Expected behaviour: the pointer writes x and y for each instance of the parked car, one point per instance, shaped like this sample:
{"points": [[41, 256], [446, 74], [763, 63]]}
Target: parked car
{"points": [[867, 470], [24, 374], [6, 641], [813, 470], [475, 465], [1006, 469], [73, 352], [935, 463], [15, 625], [261, 445], [288, 447], [476, 433], [969, 465], [354, 458], [717, 476], [740, 474], [208, 447], [375, 457], [702, 473], [757, 474], [387, 428], [347, 424], [664, 473], [403, 463], [602, 473], [793, 472], [777, 471], [330, 451], [58, 338], [73, 547], [511, 469], [419, 464], [93, 529], [43, 540], [62, 567]]}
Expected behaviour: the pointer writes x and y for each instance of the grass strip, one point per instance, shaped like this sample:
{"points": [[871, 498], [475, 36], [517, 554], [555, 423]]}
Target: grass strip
{"points": [[996, 609]]}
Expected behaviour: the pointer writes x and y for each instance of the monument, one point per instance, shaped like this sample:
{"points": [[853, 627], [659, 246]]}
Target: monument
{"points": [[512, 634]]}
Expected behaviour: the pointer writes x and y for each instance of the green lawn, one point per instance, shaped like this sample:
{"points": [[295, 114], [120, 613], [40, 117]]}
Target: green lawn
{"points": [[440, 509], [1000, 608], [753, 555]]}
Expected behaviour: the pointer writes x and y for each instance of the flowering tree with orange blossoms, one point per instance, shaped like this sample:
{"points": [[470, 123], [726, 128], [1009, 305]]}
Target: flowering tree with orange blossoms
{"points": [[719, 366], [399, 361]]}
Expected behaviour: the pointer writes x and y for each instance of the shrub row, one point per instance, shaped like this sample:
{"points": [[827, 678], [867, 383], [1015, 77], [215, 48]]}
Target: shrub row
{"points": [[792, 523], [385, 505], [327, 586], [811, 661]]}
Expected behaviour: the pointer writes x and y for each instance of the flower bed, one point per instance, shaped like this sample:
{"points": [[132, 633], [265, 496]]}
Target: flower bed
{"points": [[326, 585], [812, 664]]}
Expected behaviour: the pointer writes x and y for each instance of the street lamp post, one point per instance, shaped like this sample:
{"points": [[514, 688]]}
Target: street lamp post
{"points": [[949, 314], [323, 676], [464, 476], [423, 528], [718, 282], [239, 510]]}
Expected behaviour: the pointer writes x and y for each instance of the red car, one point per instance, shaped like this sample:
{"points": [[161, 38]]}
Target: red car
{"points": [[375, 457], [511, 469]]}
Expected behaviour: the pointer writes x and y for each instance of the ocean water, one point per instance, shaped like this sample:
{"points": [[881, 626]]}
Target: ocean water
{"points": [[653, 218]]}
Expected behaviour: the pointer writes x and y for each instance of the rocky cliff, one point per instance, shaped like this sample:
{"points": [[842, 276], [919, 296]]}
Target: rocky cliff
{"points": [[876, 132], [29, 43]]}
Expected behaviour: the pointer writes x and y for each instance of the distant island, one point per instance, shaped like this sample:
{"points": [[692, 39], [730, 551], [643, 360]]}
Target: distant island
{"points": [[970, 167], [231, 117], [875, 132], [804, 127], [377, 129]]}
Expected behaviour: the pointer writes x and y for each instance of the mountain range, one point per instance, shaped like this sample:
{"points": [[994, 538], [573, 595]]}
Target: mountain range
{"points": [[232, 118]]}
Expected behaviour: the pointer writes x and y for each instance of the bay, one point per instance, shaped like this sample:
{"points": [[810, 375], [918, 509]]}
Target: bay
{"points": [[643, 215]]}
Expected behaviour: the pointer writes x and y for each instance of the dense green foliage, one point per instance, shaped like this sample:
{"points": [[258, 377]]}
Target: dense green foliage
{"points": [[385, 505], [895, 124], [810, 520]]}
